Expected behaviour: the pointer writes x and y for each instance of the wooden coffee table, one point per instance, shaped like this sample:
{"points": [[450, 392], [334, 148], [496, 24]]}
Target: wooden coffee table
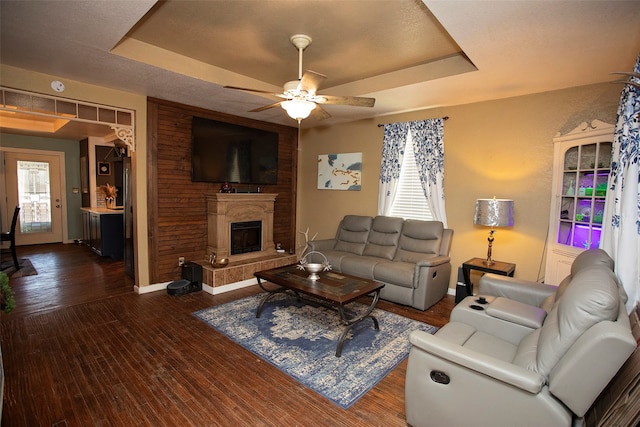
{"points": [[332, 290]]}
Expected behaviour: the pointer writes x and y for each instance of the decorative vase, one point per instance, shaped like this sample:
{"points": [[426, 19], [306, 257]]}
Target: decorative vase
{"points": [[110, 203], [313, 268], [571, 191]]}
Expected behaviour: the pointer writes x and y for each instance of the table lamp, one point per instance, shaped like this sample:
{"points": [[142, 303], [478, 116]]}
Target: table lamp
{"points": [[493, 213]]}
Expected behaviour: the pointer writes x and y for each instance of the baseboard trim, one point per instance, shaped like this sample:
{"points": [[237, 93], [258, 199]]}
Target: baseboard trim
{"points": [[220, 289], [208, 289], [151, 288], [230, 287]]}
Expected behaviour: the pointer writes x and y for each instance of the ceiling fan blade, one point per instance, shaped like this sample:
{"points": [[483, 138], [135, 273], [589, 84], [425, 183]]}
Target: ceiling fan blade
{"points": [[311, 81], [631, 74], [356, 101], [251, 90], [319, 113], [627, 82], [265, 107]]}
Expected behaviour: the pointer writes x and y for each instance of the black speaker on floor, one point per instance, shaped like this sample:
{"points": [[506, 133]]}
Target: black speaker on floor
{"points": [[193, 272], [461, 287], [191, 280]]}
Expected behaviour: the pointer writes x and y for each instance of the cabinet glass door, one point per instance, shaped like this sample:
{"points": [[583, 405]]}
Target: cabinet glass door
{"points": [[584, 187]]}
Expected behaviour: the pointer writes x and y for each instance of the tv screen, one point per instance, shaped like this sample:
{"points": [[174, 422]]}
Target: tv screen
{"points": [[224, 152]]}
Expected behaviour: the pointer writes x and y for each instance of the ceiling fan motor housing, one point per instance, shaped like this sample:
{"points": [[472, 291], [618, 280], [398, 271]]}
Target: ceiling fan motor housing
{"points": [[292, 90], [300, 95]]}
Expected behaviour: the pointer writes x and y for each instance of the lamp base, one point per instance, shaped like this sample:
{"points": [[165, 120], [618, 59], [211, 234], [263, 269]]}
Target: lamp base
{"points": [[489, 261]]}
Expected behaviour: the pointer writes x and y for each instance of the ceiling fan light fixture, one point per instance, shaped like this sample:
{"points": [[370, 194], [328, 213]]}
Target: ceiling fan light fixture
{"points": [[298, 109]]}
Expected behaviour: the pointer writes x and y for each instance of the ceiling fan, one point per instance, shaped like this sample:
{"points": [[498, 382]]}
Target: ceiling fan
{"points": [[300, 97]]}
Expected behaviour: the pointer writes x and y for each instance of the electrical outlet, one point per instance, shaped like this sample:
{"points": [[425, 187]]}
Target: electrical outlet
{"points": [[180, 261]]}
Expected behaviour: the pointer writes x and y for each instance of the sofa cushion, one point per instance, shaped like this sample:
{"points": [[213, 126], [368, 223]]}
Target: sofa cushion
{"points": [[592, 296], [334, 258], [419, 239], [383, 237], [361, 266], [353, 233], [591, 258], [396, 272]]}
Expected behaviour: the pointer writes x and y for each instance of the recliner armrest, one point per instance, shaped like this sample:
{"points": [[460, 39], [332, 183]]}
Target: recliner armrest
{"points": [[525, 291], [502, 371], [516, 312], [433, 261]]}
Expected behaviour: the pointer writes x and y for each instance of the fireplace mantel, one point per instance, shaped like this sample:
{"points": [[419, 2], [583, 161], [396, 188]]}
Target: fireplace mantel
{"points": [[223, 209]]}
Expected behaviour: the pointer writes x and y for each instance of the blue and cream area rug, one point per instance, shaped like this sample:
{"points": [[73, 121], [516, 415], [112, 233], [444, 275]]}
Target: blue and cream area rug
{"points": [[300, 340]]}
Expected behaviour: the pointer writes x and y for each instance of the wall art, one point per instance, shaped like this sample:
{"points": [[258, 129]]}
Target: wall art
{"points": [[340, 171]]}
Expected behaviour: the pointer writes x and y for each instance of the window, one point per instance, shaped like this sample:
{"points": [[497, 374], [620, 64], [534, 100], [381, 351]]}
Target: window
{"points": [[410, 202]]}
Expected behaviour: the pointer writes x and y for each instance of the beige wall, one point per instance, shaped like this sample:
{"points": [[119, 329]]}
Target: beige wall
{"points": [[498, 148], [36, 82]]}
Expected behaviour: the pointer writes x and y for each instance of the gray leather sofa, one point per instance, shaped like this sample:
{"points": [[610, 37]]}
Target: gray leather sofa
{"points": [[482, 369], [410, 257]]}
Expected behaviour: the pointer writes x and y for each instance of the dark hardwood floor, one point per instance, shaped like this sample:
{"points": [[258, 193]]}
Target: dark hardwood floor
{"points": [[82, 349]]}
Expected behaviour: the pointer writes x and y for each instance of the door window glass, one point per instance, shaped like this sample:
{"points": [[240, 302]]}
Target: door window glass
{"points": [[34, 196]]}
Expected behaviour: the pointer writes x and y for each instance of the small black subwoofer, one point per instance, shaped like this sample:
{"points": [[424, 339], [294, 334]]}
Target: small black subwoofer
{"points": [[191, 280]]}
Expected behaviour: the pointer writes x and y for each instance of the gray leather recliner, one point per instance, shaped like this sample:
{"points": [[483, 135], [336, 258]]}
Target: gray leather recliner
{"points": [[479, 374]]}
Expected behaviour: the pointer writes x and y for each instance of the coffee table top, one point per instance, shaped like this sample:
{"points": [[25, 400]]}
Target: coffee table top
{"points": [[336, 287]]}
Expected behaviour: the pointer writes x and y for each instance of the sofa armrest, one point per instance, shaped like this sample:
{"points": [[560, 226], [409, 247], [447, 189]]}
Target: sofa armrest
{"points": [[525, 291], [486, 365], [433, 261], [321, 245]]}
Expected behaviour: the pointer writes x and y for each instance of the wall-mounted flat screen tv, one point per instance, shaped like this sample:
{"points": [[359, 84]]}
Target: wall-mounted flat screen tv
{"points": [[224, 152]]}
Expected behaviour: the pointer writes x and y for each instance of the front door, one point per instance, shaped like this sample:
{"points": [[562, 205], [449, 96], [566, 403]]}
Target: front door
{"points": [[33, 182]]}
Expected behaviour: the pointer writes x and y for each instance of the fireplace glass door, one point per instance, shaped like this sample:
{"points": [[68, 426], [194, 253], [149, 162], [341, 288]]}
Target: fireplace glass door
{"points": [[246, 237]]}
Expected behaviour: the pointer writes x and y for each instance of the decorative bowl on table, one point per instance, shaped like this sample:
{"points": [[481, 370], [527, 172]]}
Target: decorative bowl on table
{"points": [[313, 268]]}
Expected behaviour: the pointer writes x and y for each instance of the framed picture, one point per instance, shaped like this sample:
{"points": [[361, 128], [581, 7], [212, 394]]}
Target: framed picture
{"points": [[104, 168], [340, 171]]}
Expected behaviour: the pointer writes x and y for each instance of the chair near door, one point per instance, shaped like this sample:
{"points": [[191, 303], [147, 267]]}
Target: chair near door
{"points": [[10, 236]]}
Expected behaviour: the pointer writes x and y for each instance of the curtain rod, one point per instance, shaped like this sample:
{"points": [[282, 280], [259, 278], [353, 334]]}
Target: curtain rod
{"points": [[382, 124]]}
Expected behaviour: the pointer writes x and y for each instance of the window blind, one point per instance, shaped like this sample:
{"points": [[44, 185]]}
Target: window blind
{"points": [[410, 202]]}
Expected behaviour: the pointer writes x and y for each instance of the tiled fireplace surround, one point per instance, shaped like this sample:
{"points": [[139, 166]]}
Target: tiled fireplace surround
{"points": [[223, 209]]}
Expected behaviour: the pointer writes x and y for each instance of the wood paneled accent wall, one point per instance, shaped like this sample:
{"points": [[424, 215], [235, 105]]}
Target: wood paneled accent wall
{"points": [[177, 206]]}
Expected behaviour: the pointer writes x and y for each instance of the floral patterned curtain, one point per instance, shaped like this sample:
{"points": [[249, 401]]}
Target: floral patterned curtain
{"points": [[428, 146], [395, 137], [621, 235]]}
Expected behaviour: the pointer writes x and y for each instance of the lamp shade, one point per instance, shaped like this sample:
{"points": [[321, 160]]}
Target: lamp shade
{"points": [[298, 108], [494, 212]]}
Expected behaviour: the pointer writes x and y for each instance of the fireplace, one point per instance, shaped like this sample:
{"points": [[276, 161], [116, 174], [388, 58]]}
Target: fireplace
{"points": [[246, 237], [228, 211]]}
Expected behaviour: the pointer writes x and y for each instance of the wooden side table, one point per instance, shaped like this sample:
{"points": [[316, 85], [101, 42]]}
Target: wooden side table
{"points": [[502, 268]]}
